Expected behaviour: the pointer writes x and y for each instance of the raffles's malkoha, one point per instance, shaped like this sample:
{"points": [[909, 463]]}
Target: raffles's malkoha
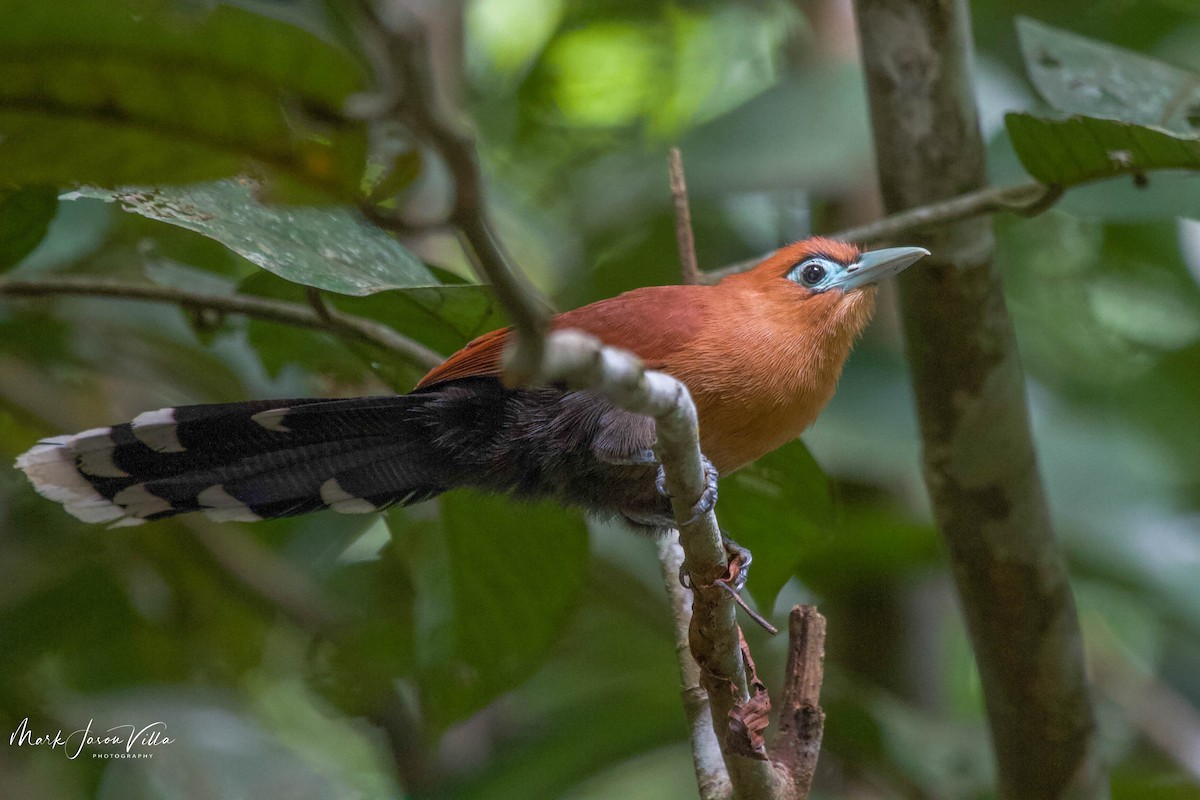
{"points": [[761, 353]]}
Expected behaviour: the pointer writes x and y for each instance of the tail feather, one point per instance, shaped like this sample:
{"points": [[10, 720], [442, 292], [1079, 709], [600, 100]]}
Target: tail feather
{"points": [[241, 461], [276, 458]]}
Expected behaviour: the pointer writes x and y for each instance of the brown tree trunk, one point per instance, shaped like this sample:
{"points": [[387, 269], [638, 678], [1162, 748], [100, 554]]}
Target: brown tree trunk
{"points": [[980, 466]]}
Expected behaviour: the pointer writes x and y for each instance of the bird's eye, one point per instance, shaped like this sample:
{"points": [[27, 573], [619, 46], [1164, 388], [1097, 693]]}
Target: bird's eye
{"points": [[812, 273]]}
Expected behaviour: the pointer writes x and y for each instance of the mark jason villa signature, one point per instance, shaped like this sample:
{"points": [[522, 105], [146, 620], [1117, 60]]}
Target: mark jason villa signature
{"points": [[119, 740]]}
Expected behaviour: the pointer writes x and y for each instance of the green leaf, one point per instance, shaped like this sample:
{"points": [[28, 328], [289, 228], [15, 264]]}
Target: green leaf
{"points": [[1081, 76], [871, 544], [335, 249], [1078, 149], [443, 317], [619, 664], [1132, 113], [779, 507], [358, 671], [111, 93], [496, 582], [25, 215]]}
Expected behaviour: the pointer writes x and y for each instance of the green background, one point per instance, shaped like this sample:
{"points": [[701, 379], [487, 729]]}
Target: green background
{"points": [[520, 652]]}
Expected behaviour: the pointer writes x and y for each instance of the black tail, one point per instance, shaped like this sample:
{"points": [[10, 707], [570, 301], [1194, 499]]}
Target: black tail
{"points": [[276, 458], [242, 461]]}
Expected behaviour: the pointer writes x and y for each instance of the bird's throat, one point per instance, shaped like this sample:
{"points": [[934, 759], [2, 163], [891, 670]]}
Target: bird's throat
{"points": [[775, 374]]}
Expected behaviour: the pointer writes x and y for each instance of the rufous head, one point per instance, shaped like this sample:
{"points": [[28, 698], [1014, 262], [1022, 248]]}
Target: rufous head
{"points": [[821, 265]]}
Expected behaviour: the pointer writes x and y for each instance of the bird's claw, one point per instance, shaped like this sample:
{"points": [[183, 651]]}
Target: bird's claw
{"points": [[739, 566], [708, 498], [734, 580], [739, 563]]}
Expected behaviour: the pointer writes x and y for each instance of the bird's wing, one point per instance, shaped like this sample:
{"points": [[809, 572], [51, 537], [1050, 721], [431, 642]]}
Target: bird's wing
{"points": [[480, 358], [655, 323]]}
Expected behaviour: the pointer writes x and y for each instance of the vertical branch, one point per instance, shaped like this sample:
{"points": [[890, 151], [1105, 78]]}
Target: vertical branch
{"points": [[683, 219], [711, 777], [980, 465], [801, 720]]}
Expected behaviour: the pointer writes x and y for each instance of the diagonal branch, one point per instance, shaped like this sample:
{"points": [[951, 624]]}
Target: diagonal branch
{"points": [[1024, 199], [397, 44], [299, 315], [266, 578], [269, 582]]}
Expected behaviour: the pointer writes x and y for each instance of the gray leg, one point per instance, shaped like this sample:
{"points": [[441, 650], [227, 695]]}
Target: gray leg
{"points": [[708, 499]]}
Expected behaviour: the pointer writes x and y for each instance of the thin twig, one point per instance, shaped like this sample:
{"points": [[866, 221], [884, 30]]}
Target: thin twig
{"points": [[419, 771], [683, 219], [711, 778], [287, 313], [1023, 199], [802, 722], [317, 302], [759, 619], [1167, 718]]}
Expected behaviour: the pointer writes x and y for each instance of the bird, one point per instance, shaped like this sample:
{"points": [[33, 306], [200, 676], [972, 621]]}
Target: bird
{"points": [[759, 351]]}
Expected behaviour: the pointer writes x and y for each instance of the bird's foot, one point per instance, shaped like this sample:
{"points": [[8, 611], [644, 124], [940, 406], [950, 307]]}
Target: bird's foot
{"points": [[739, 566], [739, 563], [734, 579], [708, 498]]}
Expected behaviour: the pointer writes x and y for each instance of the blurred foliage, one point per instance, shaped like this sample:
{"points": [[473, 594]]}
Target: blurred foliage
{"points": [[474, 648], [162, 94], [1054, 151], [25, 214], [1114, 88], [1082, 76]]}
